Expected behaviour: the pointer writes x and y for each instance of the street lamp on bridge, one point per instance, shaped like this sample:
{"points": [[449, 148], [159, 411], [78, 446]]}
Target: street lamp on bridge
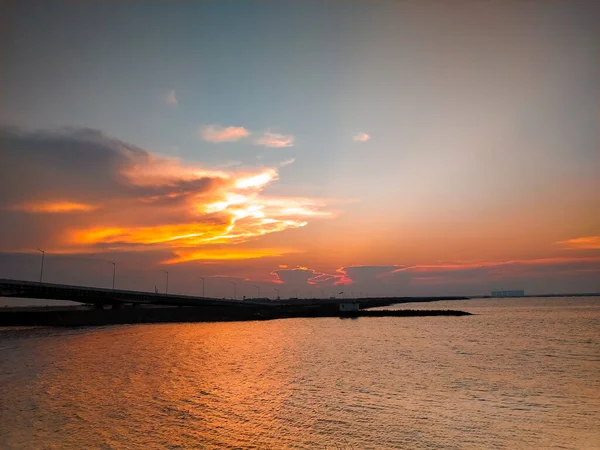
{"points": [[257, 289], [42, 268], [202, 287], [167, 285], [114, 270], [234, 290], [277, 290]]}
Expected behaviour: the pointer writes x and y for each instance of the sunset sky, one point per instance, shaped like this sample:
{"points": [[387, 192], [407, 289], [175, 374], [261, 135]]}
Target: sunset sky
{"points": [[369, 147]]}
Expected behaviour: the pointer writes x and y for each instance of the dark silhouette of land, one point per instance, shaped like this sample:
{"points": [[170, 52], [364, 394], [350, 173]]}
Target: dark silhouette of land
{"points": [[77, 316], [108, 306]]}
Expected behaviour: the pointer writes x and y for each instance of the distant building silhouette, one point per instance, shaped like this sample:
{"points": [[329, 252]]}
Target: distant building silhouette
{"points": [[503, 293]]}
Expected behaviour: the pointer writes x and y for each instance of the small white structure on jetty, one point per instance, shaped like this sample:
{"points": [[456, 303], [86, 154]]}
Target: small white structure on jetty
{"points": [[349, 307]]}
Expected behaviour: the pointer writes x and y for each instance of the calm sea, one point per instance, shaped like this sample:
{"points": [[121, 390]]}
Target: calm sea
{"points": [[522, 373]]}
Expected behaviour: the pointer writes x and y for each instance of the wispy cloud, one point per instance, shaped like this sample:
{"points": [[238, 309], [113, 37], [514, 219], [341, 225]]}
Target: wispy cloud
{"points": [[226, 254], [275, 140], [582, 243], [517, 263], [171, 98], [287, 162], [229, 164], [361, 137], [493, 272], [54, 207], [217, 133]]}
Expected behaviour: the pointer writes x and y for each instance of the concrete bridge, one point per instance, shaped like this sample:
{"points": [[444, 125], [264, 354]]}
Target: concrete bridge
{"points": [[101, 297], [115, 297]]}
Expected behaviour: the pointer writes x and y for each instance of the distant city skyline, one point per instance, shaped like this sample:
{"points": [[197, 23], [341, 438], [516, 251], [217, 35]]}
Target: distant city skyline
{"points": [[389, 148]]}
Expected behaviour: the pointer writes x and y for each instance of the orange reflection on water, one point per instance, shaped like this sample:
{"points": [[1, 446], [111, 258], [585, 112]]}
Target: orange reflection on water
{"points": [[175, 384], [519, 373]]}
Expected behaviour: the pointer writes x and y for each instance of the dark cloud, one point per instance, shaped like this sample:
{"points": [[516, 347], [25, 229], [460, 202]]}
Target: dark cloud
{"points": [[80, 165], [174, 191]]}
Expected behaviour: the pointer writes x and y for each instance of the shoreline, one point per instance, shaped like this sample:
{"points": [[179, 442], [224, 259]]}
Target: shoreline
{"points": [[76, 317]]}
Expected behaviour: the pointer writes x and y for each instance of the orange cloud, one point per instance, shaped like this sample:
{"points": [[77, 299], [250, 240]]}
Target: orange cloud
{"points": [[215, 207], [225, 254], [240, 217], [275, 140], [216, 133], [582, 243], [185, 234], [54, 207]]}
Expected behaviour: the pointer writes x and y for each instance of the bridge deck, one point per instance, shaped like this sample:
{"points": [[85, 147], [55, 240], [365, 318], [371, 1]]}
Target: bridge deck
{"points": [[91, 295]]}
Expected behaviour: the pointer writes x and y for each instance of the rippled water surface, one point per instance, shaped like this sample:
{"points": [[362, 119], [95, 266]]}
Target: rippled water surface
{"points": [[523, 373]]}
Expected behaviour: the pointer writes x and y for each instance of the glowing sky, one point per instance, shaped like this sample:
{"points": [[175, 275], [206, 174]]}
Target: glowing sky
{"points": [[379, 148]]}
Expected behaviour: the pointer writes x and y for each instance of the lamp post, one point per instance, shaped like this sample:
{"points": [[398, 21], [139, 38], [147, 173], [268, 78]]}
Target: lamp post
{"points": [[202, 287], [114, 271], [42, 268], [257, 289], [167, 285], [277, 290], [234, 290]]}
